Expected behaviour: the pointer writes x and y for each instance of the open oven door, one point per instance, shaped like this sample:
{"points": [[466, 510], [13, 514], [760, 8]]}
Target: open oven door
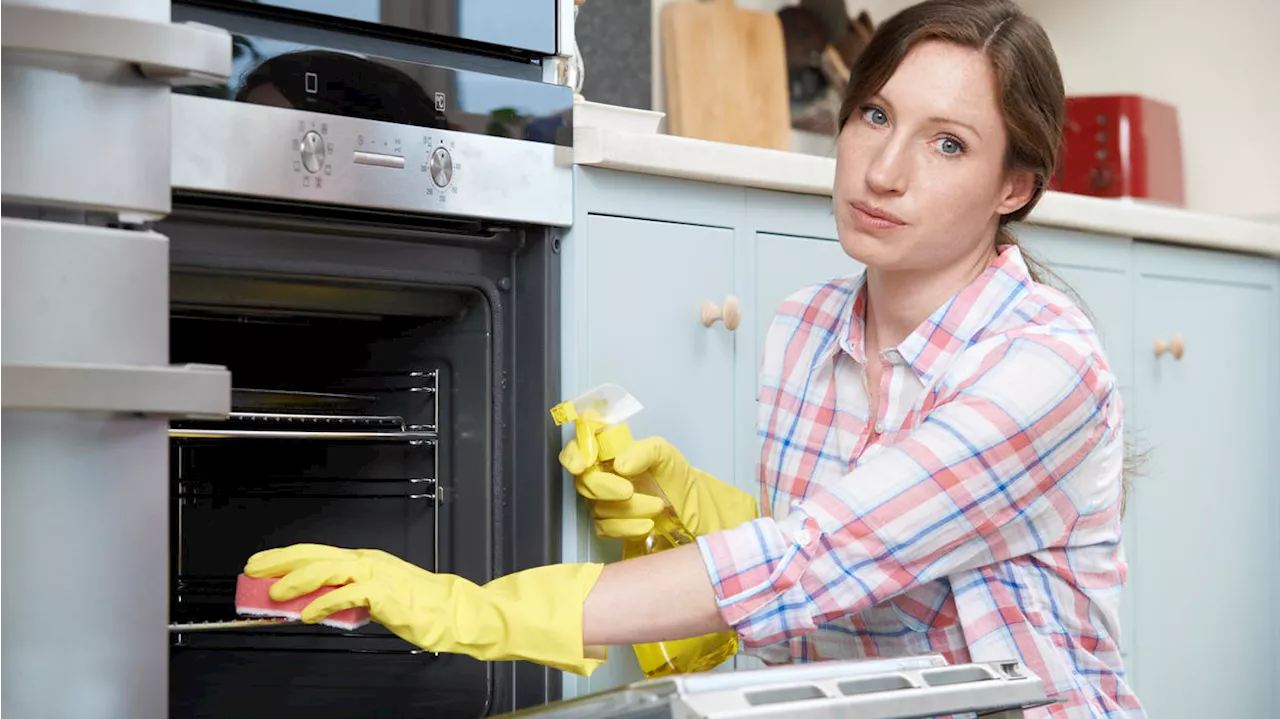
{"points": [[88, 386]]}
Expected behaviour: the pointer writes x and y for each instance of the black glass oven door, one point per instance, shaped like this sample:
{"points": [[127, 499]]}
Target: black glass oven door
{"points": [[523, 25]]}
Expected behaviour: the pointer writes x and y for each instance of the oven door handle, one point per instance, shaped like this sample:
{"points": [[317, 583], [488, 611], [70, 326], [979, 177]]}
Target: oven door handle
{"points": [[195, 391], [186, 53]]}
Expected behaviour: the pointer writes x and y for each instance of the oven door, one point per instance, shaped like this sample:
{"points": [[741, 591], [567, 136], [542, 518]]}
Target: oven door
{"points": [[392, 377], [525, 27]]}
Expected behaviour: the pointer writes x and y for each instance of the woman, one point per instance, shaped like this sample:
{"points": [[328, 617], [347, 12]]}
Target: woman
{"points": [[943, 443]]}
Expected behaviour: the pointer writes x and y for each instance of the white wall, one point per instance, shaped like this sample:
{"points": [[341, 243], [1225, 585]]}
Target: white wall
{"points": [[1219, 63]]}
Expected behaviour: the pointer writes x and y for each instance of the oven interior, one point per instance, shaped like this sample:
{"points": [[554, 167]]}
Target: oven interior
{"points": [[361, 418]]}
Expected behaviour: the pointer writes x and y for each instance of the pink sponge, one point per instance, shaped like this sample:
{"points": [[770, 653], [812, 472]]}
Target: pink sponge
{"points": [[253, 599]]}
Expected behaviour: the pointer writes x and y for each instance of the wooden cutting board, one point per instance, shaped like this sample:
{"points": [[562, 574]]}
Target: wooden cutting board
{"points": [[725, 72]]}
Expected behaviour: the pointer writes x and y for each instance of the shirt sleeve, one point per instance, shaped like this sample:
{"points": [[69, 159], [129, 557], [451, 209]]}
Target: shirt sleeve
{"points": [[989, 474]]}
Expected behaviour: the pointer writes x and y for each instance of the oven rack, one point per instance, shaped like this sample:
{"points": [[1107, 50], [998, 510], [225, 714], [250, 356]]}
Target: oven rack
{"points": [[282, 634], [326, 427], [255, 399], [232, 624], [301, 487], [306, 424], [181, 644], [337, 641]]}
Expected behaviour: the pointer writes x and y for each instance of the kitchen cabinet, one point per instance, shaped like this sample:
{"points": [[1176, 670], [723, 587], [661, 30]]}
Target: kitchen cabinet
{"points": [[1205, 508], [640, 262], [645, 281], [1202, 508], [1201, 535]]}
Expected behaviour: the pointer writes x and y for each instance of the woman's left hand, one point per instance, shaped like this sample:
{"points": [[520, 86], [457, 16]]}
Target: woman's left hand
{"points": [[534, 615]]}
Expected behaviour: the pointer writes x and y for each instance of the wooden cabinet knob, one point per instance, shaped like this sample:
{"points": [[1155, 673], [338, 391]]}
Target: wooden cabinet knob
{"points": [[730, 314], [1174, 346]]}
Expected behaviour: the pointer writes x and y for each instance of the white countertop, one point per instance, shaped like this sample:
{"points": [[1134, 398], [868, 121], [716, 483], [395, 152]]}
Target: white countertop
{"points": [[687, 158]]}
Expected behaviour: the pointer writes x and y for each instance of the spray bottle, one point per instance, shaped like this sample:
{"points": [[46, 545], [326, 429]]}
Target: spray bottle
{"points": [[600, 420]]}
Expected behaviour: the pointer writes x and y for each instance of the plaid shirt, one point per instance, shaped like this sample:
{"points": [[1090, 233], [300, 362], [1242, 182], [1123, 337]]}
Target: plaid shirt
{"points": [[975, 512]]}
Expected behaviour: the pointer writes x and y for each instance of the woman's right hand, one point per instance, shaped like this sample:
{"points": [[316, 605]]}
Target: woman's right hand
{"points": [[703, 503]]}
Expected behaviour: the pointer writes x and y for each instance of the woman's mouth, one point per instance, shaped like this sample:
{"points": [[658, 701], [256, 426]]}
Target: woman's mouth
{"points": [[869, 217]]}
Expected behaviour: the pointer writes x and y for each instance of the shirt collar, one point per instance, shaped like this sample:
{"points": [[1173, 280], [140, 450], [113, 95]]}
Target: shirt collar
{"points": [[959, 322]]}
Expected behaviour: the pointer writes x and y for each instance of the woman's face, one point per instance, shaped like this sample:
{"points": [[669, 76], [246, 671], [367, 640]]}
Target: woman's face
{"points": [[920, 178]]}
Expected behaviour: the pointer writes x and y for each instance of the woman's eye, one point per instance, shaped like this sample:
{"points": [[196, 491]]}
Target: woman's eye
{"points": [[949, 146], [875, 116]]}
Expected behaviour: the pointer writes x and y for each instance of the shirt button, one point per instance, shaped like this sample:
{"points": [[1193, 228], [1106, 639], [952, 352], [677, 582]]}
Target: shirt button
{"points": [[803, 537], [795, 503], [879, 427]]}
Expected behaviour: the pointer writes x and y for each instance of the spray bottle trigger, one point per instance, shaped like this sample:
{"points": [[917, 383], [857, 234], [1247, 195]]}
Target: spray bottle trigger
{"points": [[587, 446]]}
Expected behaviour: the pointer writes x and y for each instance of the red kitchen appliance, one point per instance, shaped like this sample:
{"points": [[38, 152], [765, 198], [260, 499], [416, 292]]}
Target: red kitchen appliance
{"points": [[1122, 146]]}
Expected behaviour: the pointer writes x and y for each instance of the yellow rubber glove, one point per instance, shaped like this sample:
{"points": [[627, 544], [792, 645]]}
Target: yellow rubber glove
{"points": [[703, 503], [534, 615]]}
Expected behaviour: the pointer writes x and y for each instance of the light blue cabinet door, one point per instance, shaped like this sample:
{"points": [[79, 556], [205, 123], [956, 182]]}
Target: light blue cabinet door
{"points": [[641, 293], [1205, 505], [647, 282]]}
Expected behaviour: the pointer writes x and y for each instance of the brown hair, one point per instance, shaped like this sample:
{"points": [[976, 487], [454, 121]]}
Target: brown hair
{"points": [[1028, 81]]}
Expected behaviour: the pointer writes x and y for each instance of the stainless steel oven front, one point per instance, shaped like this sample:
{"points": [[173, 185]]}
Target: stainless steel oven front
{"points": [[374, 259]]}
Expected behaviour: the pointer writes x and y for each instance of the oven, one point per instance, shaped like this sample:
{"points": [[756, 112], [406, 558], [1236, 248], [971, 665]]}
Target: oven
{"points": [[368, 243]]}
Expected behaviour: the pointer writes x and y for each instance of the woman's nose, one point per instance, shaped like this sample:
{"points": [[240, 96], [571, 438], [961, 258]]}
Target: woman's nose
{"points": [[888, 171]]}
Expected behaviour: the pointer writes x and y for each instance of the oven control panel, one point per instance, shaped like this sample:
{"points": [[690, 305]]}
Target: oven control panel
{"points": [[286, 154]]}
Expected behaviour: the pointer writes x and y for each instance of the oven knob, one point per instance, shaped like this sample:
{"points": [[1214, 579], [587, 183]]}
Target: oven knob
{"points": [[312, 147], [441, 167]]}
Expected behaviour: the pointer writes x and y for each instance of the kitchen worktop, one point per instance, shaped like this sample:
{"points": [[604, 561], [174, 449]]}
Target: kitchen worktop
{"points": [[716, 162]]}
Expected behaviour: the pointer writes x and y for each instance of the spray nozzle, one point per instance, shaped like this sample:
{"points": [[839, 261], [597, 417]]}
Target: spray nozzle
{"points": [[594, 412]]}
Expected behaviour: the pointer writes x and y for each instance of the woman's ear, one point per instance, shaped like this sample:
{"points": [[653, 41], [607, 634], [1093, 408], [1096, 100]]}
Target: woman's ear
{"points": [[1017, 190]]}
